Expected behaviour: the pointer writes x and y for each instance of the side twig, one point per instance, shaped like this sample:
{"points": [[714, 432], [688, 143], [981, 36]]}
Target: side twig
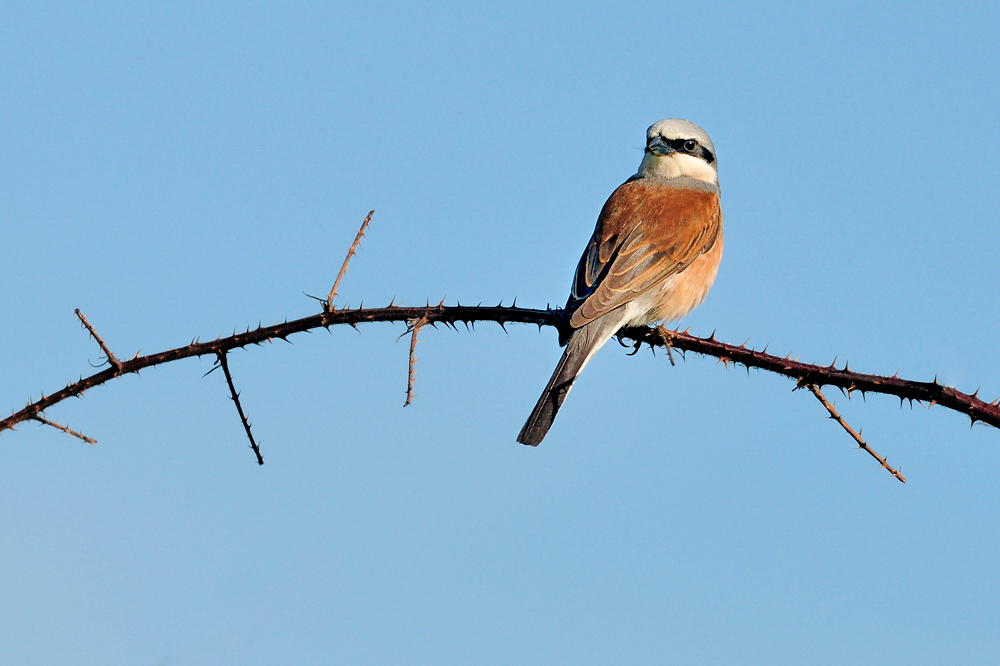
{"points": [[665, 336], [857, 436], [59, 426], [239, 408], [413, 348], [93, 333], [350, 253]]}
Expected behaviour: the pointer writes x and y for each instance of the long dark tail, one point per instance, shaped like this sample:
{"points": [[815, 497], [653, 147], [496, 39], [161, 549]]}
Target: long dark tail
{"points": [[581, 346]]}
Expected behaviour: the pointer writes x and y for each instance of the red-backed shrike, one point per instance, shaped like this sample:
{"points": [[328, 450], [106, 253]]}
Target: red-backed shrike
{"points": [[653, 256]]}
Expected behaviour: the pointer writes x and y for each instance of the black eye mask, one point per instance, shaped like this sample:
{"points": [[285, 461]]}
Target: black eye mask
{"points": [[697, 151]]}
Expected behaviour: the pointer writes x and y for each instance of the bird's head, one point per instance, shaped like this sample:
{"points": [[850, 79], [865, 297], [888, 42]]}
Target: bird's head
{"points": [[675, 148]]}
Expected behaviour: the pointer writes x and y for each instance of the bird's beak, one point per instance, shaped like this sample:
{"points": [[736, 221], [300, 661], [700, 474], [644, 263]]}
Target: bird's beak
{"points": [[656, 146]]}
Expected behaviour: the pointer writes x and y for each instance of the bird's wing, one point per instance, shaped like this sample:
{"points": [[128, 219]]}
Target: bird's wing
{"points": [[645, 233]]}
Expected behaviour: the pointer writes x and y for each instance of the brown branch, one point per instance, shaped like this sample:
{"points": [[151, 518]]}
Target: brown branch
{"points": [[59, 426], [413, 348], [846, 379], [350, 253], [93, 333], [224, 364], [850, 431], [803, 373]]}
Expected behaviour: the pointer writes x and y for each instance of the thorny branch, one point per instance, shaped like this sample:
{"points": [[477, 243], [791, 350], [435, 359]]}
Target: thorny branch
{"points": [[224, 364], [806, 375], [850, 431]]}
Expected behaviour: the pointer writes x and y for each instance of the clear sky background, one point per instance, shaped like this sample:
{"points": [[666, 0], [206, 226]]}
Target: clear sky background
{"points": [[189, 169]]}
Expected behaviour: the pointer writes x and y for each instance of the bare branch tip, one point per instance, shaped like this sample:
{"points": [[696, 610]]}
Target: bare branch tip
{"points": [[412, 372], [856, 435], [347, 260], [68, 431], [112, 360], [224, 364]]}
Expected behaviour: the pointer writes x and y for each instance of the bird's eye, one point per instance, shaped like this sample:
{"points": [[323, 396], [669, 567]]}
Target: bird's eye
{"points": [[690, 145]]}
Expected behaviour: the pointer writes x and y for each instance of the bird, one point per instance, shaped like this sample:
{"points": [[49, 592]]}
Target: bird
{"points": [[652, 258]]}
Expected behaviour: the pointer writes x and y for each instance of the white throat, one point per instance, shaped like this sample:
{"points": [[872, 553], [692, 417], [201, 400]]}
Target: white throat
{"points": [[676, 165]]}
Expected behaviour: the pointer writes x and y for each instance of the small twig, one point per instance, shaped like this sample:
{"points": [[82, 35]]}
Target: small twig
{"points": [[857, 437], [350, 253], [59, 426], [413, 348], [107, 352], [224, 364], [666, 343]]}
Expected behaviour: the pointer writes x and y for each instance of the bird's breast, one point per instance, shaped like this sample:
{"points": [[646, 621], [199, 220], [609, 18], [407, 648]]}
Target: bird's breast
{"points": [[679, 294]]}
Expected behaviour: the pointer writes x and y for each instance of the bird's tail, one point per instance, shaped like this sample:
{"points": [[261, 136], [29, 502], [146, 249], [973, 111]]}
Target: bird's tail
{"points": [[582, 345]]}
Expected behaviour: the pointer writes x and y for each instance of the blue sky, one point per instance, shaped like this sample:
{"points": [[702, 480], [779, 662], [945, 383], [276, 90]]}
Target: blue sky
{"points": [[190, 169]]}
